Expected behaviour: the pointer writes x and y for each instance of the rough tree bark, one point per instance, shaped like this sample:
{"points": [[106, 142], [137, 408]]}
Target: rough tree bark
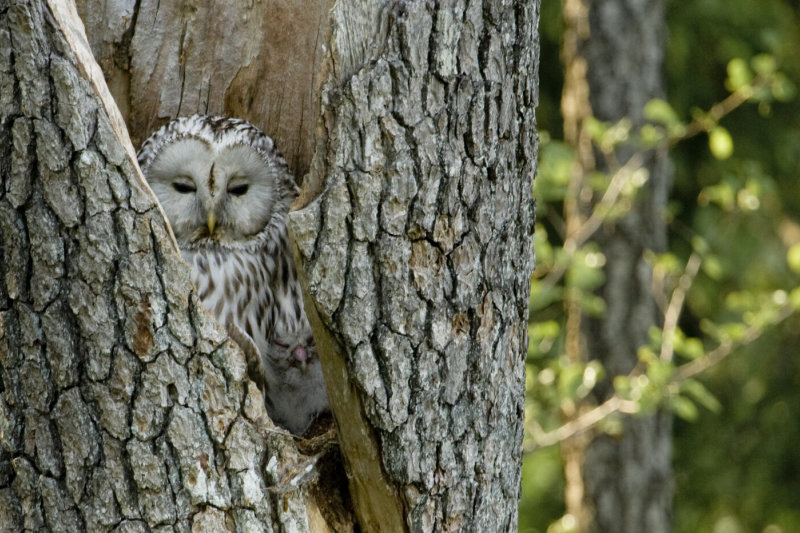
{"points": [[614, 50], [123, 406], [417, 254]]}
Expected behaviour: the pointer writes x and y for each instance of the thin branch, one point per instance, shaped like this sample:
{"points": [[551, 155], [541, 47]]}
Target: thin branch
{"points": [[590, 419], [582, 423], [615, 187], [579, 237], [720, 110], [693, 368], [676, 306]]}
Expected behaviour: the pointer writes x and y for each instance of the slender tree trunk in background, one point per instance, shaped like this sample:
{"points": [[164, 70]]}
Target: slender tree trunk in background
{"points": [[614, 50], [123, 406]]}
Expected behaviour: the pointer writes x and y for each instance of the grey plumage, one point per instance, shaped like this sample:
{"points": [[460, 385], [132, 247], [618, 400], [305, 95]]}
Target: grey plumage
{"points": [[226, 192]]}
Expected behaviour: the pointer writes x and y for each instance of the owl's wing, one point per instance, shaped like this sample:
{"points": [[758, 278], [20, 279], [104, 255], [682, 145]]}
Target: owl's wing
{"points": [[251, 353]]}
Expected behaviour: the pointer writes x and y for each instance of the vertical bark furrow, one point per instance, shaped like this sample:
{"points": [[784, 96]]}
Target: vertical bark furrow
{"points": [[430, 308]]}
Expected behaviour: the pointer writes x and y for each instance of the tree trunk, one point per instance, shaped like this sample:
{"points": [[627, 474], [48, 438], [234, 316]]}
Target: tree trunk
{"points": [[615, 49], [417, 254], [123, 404]]}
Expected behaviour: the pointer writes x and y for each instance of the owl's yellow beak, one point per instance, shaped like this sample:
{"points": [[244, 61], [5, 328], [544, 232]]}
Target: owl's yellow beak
{"points": [[212, 222]]}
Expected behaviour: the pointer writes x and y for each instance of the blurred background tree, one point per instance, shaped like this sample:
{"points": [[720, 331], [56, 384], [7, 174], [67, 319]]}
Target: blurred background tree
{"points": [[732, 122]]}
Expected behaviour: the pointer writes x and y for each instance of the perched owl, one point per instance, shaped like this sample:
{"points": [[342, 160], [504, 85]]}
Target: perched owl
{"points": [[226, 192]]}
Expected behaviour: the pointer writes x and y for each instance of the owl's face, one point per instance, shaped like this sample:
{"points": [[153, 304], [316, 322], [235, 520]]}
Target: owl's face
{"points": [[214, 179]]}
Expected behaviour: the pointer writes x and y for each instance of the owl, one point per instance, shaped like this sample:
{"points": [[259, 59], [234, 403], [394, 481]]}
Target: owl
{"points": [[226, 192]]}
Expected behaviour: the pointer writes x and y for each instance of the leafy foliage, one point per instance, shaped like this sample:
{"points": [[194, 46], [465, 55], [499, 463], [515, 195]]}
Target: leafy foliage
{"points": [[727, 363]]}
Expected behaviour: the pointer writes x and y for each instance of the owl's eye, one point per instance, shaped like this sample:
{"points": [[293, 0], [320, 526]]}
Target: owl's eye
{"points": [[184, 187], [239, 189]]}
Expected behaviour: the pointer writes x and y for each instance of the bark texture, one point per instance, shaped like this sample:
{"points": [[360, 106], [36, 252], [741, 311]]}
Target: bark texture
{"points": [[627, 481], [258, 60], [416, 240], [123, 405]]}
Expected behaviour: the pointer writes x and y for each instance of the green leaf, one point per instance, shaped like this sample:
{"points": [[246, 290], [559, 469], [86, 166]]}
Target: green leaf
{"points": [[660, 111], [593, 305], [720, 143], [702, 395], [764, 64], [721, 194], [739, 74], [570, 378], [700, 245], [692, 348], [596, 128], [794, 298], [659, 372], [684, 408], [646, 354], [548, 329], [542, 297], [712, 267], [783, 89], [735, 331], [555, 169], [793, 258], [622, 384]]}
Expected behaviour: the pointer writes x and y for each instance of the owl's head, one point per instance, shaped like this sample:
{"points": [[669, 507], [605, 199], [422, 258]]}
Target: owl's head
{"points": [[219, 180]]}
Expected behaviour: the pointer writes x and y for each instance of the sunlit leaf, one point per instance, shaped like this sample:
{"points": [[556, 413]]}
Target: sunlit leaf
{"points": [[542, 295], [666, 264], [555, 169], [793, 258], [612, 425], [593, 305], [570, 378], [646, 354], [712, 267], [684, 408], [721, 194], [692, 348], [658, 110], [783, 89], [740, 300], [734, 331], [622, 385], [699, 244], [651, 136], [701, 394], [595, 128], [720, 143], [659, 372], [764, 64], [739, 74], [585, 271]]}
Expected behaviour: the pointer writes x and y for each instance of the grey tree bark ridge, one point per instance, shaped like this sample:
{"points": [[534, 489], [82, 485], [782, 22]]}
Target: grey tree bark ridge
{"points": [[417, 248]]}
